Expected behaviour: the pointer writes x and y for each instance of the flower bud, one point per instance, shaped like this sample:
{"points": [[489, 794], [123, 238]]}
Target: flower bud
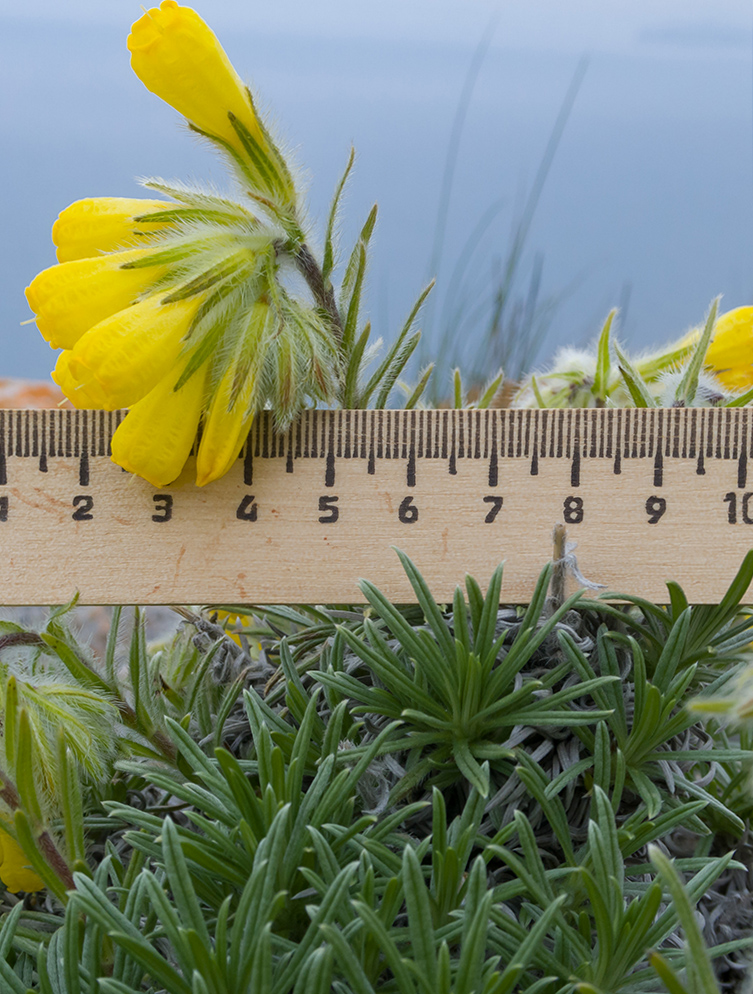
{"points": [[96, 225], [178, 57]]}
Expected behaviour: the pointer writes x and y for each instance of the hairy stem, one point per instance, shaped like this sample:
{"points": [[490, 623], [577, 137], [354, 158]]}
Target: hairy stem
{"points": [[55, 860], [19, 638], [323, 293]]}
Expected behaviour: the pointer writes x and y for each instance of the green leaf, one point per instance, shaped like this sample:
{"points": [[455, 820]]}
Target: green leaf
{"points": [[678, 600], [7, 935], [25, 779], [712, 621], [605, 847], [236, 267], [348, 961], [179, 878], [699, 962], [148, 957], [666, 974], [474, 772], [600, 387], [490, 391], [457, 390], [538, 396], [419, 388], [473, 948], [329, 251], [398, 364], [387, 944], [353, 368], [688, 385], [743, 400], [71, 800], [526, 950], [394, 352], [420, 926], [351, 319], [227, 704], [268, 164], [350, 277], [433, 615], [648, 791], [315, 976], [138, 664], [77, 668], [484, 641], [635, 383], [112, 644], [10, 721], [673, 652], [331, 909], [69, 948], [537, 781]]}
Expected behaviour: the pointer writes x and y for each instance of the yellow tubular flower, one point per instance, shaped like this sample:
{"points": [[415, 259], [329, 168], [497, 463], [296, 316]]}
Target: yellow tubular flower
{"points": [[228, 620], [72, 297], [156, 437], [103, 224], [178, 57], [225, 427], [224, 432], [139, 305], [81, 393], [119, 360], [14, 867], [730, 354]]}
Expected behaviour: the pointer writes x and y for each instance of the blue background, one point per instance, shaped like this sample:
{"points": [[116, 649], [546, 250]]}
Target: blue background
{"points": [[649, 201]]}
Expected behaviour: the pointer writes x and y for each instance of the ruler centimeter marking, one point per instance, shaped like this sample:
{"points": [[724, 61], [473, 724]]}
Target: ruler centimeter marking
{"points": [[619, 434], [647, 495]]}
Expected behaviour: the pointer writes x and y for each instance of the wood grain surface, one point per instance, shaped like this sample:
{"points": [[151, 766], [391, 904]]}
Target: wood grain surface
{"points": [[645, 496]]}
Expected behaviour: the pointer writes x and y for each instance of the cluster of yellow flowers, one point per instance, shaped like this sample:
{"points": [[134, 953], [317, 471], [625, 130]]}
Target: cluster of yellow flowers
{"points": [[173, 308]]}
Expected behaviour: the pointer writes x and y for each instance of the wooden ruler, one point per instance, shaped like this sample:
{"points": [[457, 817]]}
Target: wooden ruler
{"points": [[646, 496]]}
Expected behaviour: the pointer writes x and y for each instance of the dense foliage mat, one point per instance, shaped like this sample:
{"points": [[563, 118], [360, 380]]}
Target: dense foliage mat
{"points": [[429, 799]]}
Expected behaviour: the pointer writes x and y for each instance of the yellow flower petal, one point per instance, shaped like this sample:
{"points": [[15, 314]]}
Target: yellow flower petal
{"points": [[72, 297], [730, 354], [14, 867], [225, 428], [121, 359], [81, 392], [224, 432], [102, 224], [178, 57], [155, 439]]}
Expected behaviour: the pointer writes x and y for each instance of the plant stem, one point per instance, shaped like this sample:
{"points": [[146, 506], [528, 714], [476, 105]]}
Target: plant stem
{"points": [[323, 293], [20, 638], [55, 860]]}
